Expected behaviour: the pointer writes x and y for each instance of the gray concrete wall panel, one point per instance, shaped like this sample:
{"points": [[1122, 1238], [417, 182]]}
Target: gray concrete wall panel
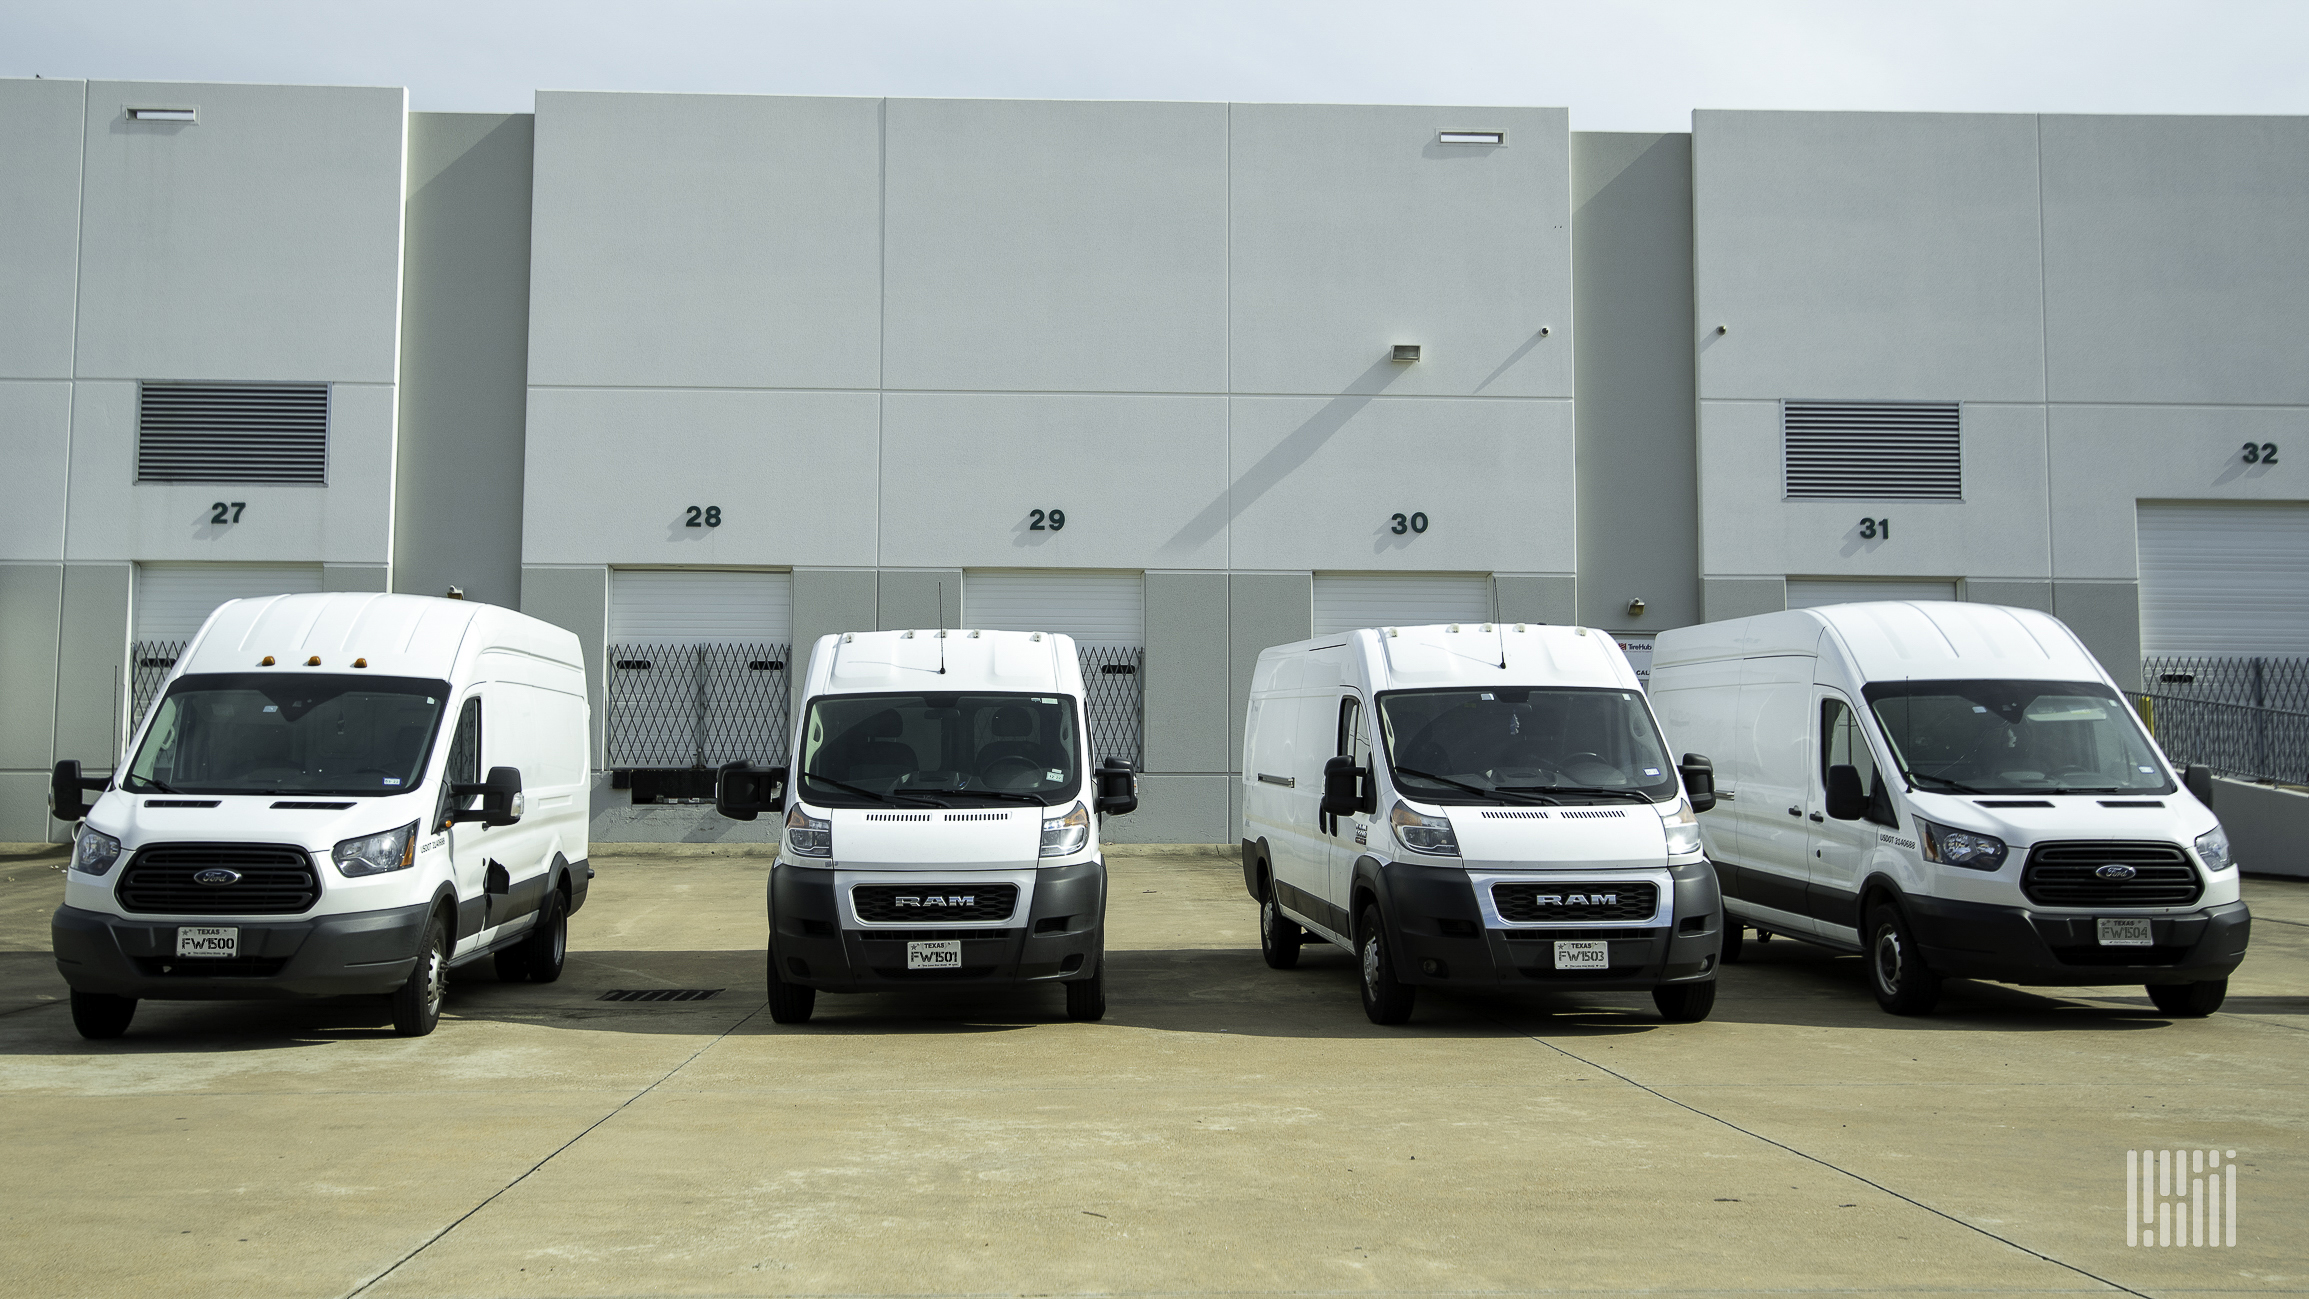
{"points": [[2173, 266], [575, 598], [1867, 256], [913, 598], [2105, 459], [40, 153], [794, 475], [1175, 809], [2267, 827], [31, 611], [1051, 246], [2018, 595], [24, 809], [1186, 675], [1741, 597], [464, 357], [1353, 230], [1141, 478], [1638, 455], [359, 577], [92, 669], [708, 241], [1538, 597], [2106, 616], [262, 242], [1263, 609], [1317, 483], [826, 602], [36, 421]]}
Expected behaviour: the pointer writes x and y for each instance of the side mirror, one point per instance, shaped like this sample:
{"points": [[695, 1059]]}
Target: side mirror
{"points": [[65, 787], [1342, 787], [1117, 788], [1699, 781], [1847, 799], [2198, 780], [742, 793], [502, 801]]}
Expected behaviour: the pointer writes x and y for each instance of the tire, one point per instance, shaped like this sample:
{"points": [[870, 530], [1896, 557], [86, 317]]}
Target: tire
{"points": [[101, 1016], [540, 956], [1685, 1003], [1086, 998], [2183, 1000], [1279, 936], [1897, 974], [1735, 938], [790, 1003], [1385, 1000], [417, 1003]]}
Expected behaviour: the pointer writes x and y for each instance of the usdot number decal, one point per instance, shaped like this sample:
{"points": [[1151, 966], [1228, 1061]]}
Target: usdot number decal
{"points": [[227, 511], [1046, 520], [709, 516], [1409, 523], [1871, 529], [2260, 453]]}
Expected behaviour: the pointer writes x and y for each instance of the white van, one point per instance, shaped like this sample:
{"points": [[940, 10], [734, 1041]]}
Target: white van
{"points": [[1476, 806], [940, 831], [303, 812], [1952, 790]]}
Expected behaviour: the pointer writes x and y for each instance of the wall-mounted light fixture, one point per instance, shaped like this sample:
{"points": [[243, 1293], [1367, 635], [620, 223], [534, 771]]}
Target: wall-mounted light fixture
{"points": [[1636, 607], [1406, 351], [1723, 329], [1492, 138], [163, 114], [454, 593]]}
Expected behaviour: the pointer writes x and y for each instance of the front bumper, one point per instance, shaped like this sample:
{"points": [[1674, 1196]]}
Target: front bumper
{"points": [[1441, 940], [1975, 940], [328, 956], [1062, 937]]}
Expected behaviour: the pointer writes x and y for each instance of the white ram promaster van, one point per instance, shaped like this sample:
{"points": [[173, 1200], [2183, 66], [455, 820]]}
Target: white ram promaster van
{"points": [[940, 829], [304, 812], [1476, 806], [1951, 789]]}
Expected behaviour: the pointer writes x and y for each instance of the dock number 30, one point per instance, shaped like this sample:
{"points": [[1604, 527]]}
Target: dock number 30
{"points": [[1408, 523]]}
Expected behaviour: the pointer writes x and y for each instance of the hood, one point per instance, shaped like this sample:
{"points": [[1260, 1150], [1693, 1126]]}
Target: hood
{"points": [[1622, 836], [314, 821], [2176, 818], [933, 837]]}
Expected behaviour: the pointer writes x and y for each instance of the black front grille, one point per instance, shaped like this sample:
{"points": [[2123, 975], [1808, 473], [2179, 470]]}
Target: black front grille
{"points": [[275, 880], [933, 901], [1577, 900], [2068, 875]]}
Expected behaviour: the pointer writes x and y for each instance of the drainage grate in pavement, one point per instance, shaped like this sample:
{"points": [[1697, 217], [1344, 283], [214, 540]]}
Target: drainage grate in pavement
{"points": [[660, 994]]}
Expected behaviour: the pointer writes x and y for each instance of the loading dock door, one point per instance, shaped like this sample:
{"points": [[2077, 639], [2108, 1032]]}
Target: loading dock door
{"points": [[1345, 602], [173, 600], [2225, 578], [1106, 615], [698, 668]]}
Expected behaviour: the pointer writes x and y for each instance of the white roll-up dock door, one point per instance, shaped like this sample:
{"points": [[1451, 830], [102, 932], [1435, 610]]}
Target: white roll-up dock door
{"points": [[1106, 615], [1812, 592], [2224, 578], [1345, 602], [173, 600], [699, 668]]}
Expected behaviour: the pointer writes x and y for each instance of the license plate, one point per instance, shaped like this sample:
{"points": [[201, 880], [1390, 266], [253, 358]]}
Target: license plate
{"points": [[191, 941], [1583, 956], [934, 956], [2124, 933]]}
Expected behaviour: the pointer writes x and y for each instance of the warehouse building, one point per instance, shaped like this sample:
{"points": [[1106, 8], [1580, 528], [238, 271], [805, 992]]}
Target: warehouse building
{"points": [[705, 377]]}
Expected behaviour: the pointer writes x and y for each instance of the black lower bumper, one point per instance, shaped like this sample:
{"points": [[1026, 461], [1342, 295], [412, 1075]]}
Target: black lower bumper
{"points": [[1441, 940], [1975, 940], [328, 956], [1062, 936]]}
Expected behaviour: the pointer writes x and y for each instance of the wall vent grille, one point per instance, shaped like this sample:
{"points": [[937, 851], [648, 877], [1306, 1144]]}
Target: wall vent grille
{"points": [[232, 433], [1872, 450]]}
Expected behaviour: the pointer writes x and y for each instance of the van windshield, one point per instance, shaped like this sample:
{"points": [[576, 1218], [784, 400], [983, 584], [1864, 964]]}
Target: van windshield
{"points": [[939, 748], [271, 733], [2016, 737], [1537, 744]]}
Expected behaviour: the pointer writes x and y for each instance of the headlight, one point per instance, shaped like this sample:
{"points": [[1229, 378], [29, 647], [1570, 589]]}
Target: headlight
{"points": [[1067, 834], [807, 836], [1683, 830], [394, 850], [1423, 833], [2213, 846], [94, 851], [1952, 847]]}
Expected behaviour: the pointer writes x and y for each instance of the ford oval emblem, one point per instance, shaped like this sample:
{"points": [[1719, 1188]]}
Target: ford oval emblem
{"points": [[2116, 871], [218, 876]]}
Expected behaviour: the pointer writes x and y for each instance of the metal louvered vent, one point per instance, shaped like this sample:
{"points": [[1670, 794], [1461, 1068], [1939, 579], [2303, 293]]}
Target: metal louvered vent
{"points": [[1882, 450], [232, 433]]}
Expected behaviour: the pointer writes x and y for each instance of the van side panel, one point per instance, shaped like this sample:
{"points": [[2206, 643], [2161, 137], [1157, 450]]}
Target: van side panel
{"points": [[1773, 750], [1697, 706]]}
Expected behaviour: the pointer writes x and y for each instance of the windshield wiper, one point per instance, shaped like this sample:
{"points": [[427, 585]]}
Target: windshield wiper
{"points": [[995, 793], [2097, 789], [844, 785], [1636, 794], [1492, 793], [156, 786], [1958, 786]]}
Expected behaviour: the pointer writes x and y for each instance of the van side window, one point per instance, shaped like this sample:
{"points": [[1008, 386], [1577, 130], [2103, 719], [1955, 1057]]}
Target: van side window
{"points": [[1842, 744], [464, 764]]}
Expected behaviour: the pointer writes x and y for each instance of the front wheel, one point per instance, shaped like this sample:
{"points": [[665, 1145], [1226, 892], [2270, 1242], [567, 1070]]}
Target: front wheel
{"points": [[540, 956], [1903, 983], [100, 1015], [2186, 1000], [1385, 1000], [417, 1003], [790, 1003], [1685, 1003], [1086, 998], [1279, 935]]}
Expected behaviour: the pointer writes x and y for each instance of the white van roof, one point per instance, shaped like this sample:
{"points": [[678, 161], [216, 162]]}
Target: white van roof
{"points": [[397, 635], [869, 661], [1895, 639], [1444, 655]]}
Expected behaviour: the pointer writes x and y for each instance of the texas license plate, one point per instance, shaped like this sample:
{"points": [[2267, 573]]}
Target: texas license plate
{"points": [[934, 956], [1583, 956], [2124, 933], [191, 941]]}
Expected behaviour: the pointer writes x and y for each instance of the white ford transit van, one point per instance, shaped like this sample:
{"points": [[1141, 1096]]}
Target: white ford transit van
{"points": [[942, 828], [304, 813], [1475, 806], [1952, 790]]}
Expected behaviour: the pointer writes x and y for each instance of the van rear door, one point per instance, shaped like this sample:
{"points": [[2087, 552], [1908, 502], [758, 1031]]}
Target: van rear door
{"points": [[1775, 739]]}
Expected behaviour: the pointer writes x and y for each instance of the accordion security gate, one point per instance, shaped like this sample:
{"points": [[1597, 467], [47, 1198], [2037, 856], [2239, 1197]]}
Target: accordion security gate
{"points": [[149, 662], [1114, 694], [2246, 717], [673, 706]]}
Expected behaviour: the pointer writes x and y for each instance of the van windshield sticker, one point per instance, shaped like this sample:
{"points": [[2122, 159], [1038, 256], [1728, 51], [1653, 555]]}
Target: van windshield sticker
{"points": [[1651, 771], [392, 780], [272, 708]]}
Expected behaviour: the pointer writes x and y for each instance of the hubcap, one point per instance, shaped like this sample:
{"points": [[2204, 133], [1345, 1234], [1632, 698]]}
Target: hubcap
{"points": [[1371, 962], [560, 938], [1267, 920], [436, 981], [1888, 959]]}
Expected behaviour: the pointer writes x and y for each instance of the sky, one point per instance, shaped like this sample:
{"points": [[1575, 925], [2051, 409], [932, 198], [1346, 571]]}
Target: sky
{"points": [[1618, 65]]}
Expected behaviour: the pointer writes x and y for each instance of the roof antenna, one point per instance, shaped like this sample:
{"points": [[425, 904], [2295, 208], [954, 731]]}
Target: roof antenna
{"points": [[942, 629]]}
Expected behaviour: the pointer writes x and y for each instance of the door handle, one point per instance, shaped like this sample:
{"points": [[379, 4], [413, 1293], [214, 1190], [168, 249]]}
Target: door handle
{"points": [[1817, 817], [1796, 811]]}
